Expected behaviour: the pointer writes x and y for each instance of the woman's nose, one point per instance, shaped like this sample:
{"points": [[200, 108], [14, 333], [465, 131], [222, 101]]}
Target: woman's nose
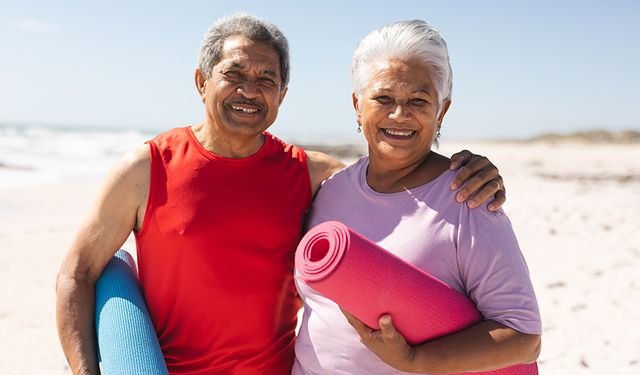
{"points": [[399, 114]]}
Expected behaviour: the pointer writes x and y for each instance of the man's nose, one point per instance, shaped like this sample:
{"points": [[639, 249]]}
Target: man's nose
{"points": [[248, 89]]}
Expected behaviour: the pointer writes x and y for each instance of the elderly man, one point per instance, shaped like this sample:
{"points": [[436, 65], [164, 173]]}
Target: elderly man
{"points": [[217, 210]]}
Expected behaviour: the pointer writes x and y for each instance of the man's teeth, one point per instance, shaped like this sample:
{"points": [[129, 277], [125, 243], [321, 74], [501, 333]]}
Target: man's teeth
{"points": [[245, 110], [402, 133]]}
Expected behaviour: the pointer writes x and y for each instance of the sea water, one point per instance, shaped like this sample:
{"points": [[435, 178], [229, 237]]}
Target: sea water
{"points": [[42, 155], [36, 155]]}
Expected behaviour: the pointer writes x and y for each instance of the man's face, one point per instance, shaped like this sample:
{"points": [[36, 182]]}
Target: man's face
{"points": [[244, 92]]}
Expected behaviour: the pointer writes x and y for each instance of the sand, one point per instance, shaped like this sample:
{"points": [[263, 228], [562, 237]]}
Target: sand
{"points": [[575, 208]]}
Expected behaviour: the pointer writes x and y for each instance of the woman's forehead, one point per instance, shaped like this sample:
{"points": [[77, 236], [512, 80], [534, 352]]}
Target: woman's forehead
{"points": [[412, 75]]}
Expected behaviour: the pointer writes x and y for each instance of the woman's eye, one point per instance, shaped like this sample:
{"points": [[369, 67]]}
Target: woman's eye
{"points": [[383, 99]]}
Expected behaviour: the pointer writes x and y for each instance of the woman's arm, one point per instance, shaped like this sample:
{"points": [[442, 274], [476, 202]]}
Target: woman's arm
{"points": [[487, 345], [496, 279]]}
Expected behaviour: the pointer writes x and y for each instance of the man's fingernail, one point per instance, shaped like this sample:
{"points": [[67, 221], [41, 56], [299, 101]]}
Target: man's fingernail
{"points": [[459, 197], [385, 320], [453, 186], [471, 204]]}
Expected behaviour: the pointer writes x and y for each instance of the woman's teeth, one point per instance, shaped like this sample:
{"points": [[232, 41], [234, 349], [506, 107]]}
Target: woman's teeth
{"points": [[401, 133]]}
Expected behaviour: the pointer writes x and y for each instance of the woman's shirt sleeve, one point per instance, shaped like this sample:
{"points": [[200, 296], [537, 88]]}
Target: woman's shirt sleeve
{"points": [[496, 276]]}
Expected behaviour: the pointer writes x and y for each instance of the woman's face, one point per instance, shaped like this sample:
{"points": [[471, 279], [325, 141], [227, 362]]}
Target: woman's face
{"points": [[398, 111]]}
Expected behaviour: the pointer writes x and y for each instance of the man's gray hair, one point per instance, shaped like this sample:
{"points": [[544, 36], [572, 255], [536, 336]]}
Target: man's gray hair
{"points": [[249, 27], [403, 40]]}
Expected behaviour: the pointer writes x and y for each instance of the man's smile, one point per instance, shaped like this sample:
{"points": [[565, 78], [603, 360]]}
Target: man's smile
{"points": [[245, 106]]}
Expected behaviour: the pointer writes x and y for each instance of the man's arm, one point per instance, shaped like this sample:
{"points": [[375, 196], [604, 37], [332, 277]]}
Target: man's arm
{"points": [[321, 166], [478, 179], [118, 210]]}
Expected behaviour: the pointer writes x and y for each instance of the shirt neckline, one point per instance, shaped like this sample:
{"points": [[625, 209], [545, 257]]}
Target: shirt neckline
{"points": [[212, 156], [367, 190]]}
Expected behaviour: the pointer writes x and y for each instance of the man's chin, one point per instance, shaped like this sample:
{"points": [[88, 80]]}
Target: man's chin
{"points": [[247, 129]]}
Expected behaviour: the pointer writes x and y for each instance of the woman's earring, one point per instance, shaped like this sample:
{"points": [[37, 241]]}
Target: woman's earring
{"points": [[359, 128], [438, 135]]}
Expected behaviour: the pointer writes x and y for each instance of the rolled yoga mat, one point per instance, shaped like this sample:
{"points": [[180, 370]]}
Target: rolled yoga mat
{"points": [[127, 341], [368, 281]]}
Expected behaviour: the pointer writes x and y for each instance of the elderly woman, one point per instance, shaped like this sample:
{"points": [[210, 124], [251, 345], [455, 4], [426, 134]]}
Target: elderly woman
{"points": [[399, 197]]}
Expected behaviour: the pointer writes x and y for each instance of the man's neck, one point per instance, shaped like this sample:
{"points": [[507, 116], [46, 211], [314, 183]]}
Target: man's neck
{"points": [[236, 146]]}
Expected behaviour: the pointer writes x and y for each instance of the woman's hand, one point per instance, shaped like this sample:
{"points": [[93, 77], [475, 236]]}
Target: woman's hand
{"points": [[484, 346], [387, 343], [481, 180]]}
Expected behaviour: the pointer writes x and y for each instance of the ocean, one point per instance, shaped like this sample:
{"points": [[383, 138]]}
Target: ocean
{"points": [[43, 155], [36, 155]]}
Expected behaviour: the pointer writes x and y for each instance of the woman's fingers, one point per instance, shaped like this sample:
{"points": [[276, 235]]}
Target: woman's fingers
{"points": [[363, 330]]}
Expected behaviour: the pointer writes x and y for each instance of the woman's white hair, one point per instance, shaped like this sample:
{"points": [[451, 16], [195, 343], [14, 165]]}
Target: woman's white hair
{"points": [[403, 40]]}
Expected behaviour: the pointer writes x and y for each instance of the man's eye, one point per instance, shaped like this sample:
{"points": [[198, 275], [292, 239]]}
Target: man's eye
{"points": [[267, 81], [231, 74], [418, 102], [383, 99]]}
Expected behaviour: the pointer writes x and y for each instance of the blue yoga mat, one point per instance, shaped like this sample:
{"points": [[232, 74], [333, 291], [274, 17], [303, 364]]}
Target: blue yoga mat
{"points": [[127, 342]]}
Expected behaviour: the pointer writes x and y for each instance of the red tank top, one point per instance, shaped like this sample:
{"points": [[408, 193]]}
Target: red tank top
{"points": [[215, 254]]}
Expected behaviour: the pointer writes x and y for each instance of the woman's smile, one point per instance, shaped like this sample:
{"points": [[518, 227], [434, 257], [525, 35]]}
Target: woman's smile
{"points": [[401, 134]]}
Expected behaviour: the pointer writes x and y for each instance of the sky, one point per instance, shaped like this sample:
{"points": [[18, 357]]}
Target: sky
{"points": [[519, 68]]}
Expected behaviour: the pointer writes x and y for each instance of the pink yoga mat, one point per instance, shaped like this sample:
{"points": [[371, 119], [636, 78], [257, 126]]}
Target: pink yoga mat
{"points": [[369, 281]]}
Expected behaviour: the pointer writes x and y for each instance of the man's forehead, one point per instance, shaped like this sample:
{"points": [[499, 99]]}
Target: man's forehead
{"points": [[242, 45], [239, 51]]}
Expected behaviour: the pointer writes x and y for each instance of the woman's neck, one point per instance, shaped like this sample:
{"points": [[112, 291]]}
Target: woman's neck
{"points": [[391, 176]]}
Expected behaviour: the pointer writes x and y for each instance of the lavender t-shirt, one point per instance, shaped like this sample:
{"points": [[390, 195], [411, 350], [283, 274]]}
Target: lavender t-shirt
{"points": [[473, 250]]}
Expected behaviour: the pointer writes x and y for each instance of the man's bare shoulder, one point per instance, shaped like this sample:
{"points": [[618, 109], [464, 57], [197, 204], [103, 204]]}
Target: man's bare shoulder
{"points": [[130, 177], [133, 168], [137, 160], [321, 166]]}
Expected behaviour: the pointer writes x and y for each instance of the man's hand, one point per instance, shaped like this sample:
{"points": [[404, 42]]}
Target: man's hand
{"points": [[387, 343], [481, 180]]}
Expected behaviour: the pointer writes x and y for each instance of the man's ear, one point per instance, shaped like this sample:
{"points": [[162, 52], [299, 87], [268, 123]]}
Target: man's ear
{"points": [[201, 83], [354, 99], [283, 93]]}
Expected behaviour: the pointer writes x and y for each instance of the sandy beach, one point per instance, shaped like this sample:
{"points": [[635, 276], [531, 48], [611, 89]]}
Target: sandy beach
{"points": [[575, 208]]}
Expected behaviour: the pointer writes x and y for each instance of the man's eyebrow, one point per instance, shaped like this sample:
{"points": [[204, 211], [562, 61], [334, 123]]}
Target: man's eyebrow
{"points": [[233, 65], [237, 65], [270, 72]]}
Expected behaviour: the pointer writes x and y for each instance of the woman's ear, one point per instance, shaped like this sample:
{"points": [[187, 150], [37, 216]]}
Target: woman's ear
{"points": [[443, 111], [356, 103]]}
